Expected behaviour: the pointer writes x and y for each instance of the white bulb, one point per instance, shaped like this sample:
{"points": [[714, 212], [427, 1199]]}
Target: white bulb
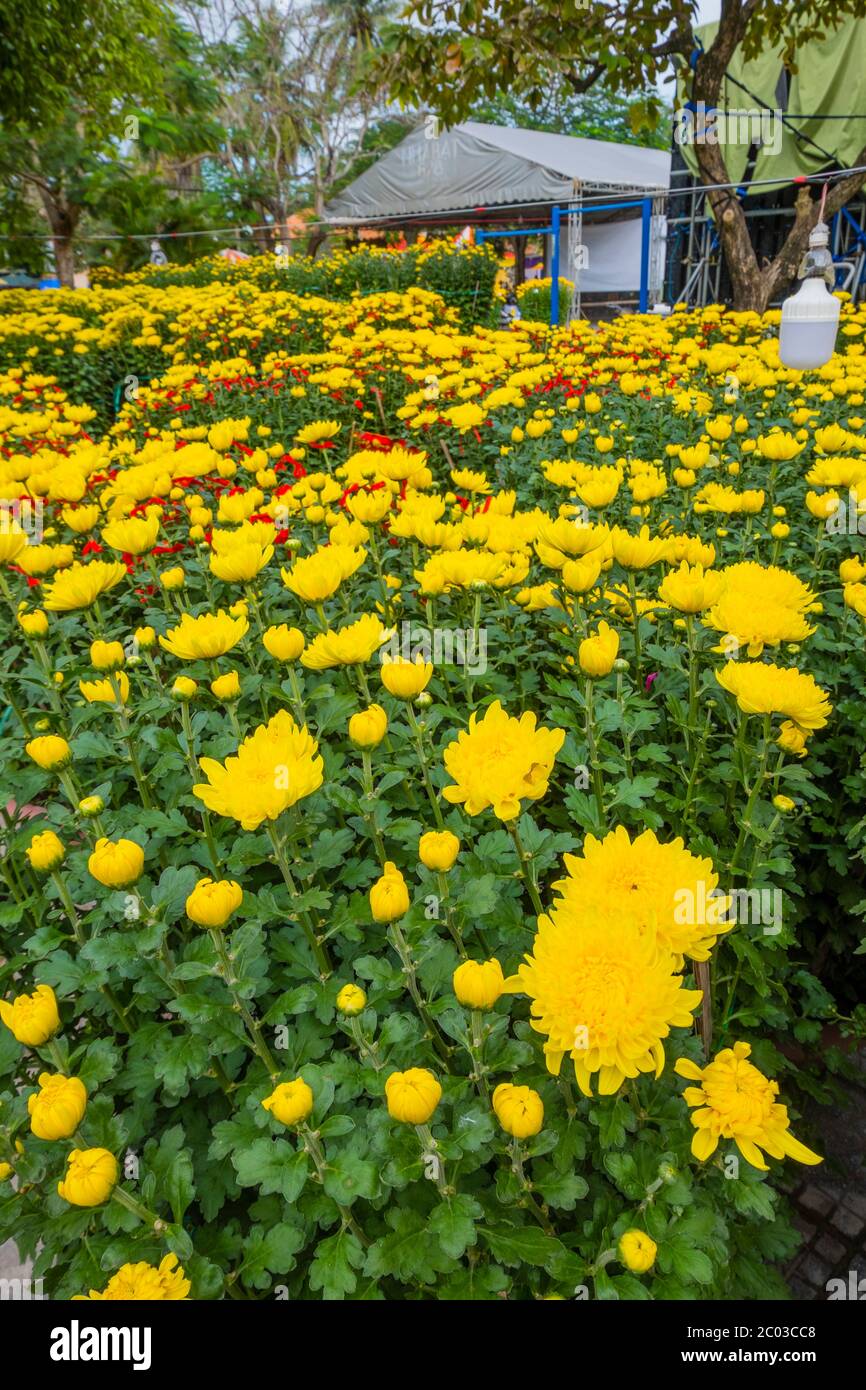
{"points": [[810, 322]]}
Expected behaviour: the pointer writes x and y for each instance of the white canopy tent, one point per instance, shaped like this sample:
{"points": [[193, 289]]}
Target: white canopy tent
{"points": [[489, 175]]}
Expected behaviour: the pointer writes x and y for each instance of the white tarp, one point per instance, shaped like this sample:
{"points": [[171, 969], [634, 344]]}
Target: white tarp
{"points": [[473, 167], [612, 256]]}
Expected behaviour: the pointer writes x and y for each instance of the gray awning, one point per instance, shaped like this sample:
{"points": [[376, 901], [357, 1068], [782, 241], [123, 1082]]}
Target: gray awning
{"points": [[475, 167]]}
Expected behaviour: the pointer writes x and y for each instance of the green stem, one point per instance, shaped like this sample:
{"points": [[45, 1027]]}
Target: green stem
{"points": [[529, 1198], [597, 784], [260, 1047], [476, 1052], [195, 773], [401, 946], [143, 1213], [318, 947], [525, 860], [422, 757], [369, 799], [314, 1149], [757, 787]]}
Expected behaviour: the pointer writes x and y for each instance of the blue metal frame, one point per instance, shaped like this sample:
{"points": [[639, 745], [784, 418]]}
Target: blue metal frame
{"points": [[556, 215]]}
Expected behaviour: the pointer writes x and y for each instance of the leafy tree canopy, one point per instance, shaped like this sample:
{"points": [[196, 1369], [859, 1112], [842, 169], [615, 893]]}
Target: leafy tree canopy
{"points": [[94, 53]]}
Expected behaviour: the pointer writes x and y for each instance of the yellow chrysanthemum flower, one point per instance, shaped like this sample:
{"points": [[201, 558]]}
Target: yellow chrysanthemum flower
{"points": [[241, 563], [208, 636], [277, 766], [762, 605], [760, 688], [499, 761], [314, 578], [134, 536], [144, 1282], [664, 890], [350, 646], [691, 588], [602, 993], [81, 585], [736, 1101], [318, 431]]}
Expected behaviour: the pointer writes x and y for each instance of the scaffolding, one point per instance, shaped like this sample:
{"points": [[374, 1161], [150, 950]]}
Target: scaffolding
{"points": [[695, 271]]}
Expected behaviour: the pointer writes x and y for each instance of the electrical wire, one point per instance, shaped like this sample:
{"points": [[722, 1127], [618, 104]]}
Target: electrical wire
{"points": [[449, 215], [783, 117]]}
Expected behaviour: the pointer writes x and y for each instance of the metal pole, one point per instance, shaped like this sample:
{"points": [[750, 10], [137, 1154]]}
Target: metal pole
{"points": [[646, 209], [554, 270]]}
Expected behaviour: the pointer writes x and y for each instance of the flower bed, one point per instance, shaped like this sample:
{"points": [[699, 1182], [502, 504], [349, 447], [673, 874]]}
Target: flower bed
{"points": [[433, 792]]}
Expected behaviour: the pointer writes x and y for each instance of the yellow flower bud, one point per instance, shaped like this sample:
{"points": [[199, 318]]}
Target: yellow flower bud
{"points": [[45, 851], [173, 579], [116, 863], [145, 638], [291, 1102], [106, 656], [412, 1095], [351, 1000], [211, 903], [110, 691], [478, 984], [284, 643], [438, 850], [32, 1018], [784, 804], [34, 624], [597, 653], [49, 752], [57, 1109], [637, 1251], [519, 1110], [405, 679], [91, 1175], [368, 727], [389, 896], [184, 688], [227, 687], [91, 806], [792, 739]]}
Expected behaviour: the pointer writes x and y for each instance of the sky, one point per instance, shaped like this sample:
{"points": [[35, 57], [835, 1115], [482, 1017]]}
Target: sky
{"points": [[707, 13]]}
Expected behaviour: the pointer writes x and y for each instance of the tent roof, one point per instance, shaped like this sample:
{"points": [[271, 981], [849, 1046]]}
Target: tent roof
{"points": [[474, 167]]}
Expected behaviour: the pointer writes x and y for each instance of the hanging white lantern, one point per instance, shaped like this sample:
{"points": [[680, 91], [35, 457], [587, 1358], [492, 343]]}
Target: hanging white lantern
{"points": [[810, 318]]}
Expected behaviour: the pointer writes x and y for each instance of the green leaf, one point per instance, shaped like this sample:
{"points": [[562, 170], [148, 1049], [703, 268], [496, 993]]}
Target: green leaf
{"points": [[562, 1190], [334, 1263], [270, 1252], [172, 891], [179, 1058], [408, 1252], [517, 1245], [349, 1177], [273, 1166], [453, 1221]]}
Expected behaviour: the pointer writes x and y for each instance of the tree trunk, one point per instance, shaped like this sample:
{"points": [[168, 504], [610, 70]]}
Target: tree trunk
{"points": [[727, 210], [753, 286], [62, 219], [319, 232], [317, 236], [64, 260], [778, 274]]}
